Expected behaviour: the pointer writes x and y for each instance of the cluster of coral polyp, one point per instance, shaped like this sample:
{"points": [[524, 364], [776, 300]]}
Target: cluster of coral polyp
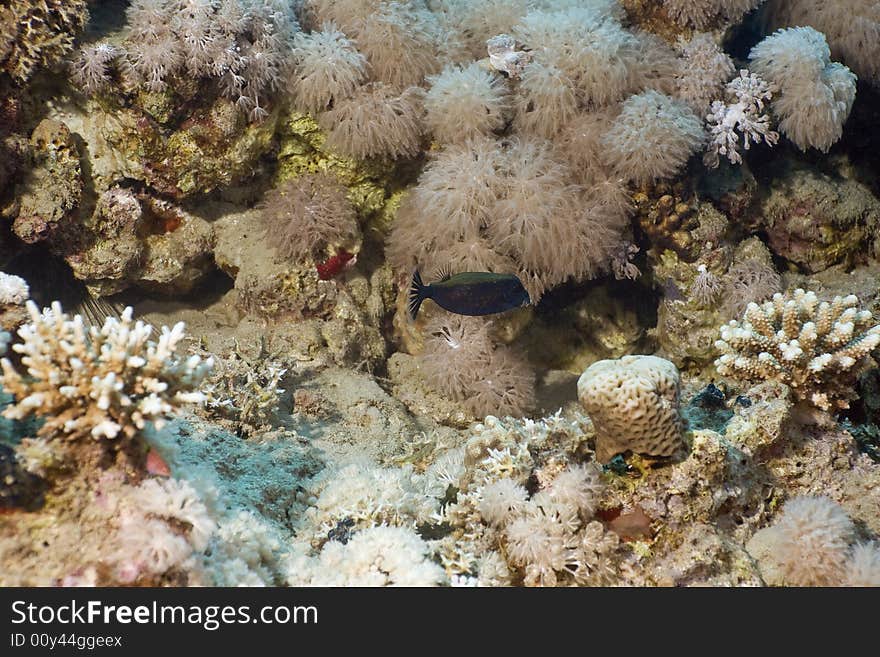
{"points": [[815, 347]]}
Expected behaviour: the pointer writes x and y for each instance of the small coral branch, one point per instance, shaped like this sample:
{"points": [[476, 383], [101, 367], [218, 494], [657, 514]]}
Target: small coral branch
{"points": [[816, 348], [98, 382], [743, 114]]}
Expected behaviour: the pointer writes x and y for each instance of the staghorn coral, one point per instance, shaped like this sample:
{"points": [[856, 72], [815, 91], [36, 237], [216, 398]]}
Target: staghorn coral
{"points": [[310, 217], [816, 348], [633, 402], [652, 138], [98, 382], [328, 68], [743, 113], [465, 102], [376, 121], [38, 33], [815, 95]]}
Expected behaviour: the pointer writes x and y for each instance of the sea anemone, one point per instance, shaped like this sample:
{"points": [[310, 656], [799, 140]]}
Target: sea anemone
{"points": [[545, 100], [398, 43], [454, 197], [501, 500]]}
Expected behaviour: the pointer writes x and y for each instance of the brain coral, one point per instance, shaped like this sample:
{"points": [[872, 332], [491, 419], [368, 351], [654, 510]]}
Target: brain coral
{"points": [[816, 348], [633, 403]]}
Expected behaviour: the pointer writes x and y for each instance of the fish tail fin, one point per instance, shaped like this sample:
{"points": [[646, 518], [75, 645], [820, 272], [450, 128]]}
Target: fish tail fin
{"points": [[417, 294]]}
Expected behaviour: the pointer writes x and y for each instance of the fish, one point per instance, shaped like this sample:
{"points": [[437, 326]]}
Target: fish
{"points": [[471, 293]]}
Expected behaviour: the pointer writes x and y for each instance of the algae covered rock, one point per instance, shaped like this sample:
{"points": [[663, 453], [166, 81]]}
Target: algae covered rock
{"points": [[136, 239], [816, 221], [52, 187], [212, 148]]}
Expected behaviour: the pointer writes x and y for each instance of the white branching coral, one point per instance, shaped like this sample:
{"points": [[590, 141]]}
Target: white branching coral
{"points": [[816, 348], [244, 390], [742, 114], [815, 94], [101, 382]]}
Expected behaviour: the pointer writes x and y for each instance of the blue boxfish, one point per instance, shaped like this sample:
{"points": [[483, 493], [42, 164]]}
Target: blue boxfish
{"points": [[470, 293]]}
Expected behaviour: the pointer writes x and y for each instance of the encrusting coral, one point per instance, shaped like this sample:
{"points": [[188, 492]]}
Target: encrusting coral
{"points": [[633, 402], [815, 347], [99, 382]]}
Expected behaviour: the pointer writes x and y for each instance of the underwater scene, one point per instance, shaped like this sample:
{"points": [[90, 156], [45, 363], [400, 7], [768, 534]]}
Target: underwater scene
{"points": [[440, 293]]}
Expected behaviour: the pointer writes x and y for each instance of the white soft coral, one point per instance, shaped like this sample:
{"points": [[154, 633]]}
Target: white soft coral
{"points": [[743, 114]]}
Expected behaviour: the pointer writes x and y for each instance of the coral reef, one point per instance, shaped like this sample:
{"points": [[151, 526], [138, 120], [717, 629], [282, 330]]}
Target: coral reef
{"points": [[816, 348], [634, 405]]}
